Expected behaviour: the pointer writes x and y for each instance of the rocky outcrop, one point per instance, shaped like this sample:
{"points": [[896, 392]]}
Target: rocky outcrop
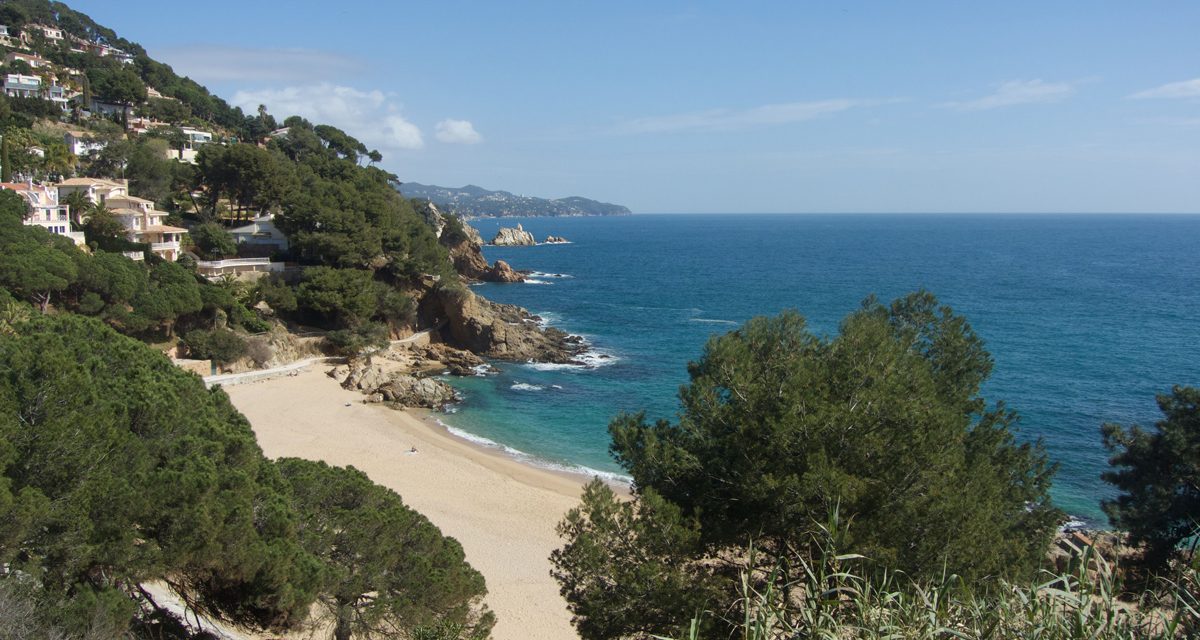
{"points": [[509, 237], [468, 260], [494, 330], [557, 240], [432, 215], [380, 384], [472, 234], [501, 272], [456, 361]]}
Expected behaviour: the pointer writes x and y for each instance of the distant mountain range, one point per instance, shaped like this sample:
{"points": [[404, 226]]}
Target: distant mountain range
{"points": [[476, 202]]}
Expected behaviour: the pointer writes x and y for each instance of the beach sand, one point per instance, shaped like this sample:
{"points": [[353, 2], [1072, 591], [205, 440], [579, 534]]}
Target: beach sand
{"points": [[503, 512]]}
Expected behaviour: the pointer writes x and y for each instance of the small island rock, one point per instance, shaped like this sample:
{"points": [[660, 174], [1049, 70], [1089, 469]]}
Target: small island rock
{"points": [[556, 240], [509, 237]]}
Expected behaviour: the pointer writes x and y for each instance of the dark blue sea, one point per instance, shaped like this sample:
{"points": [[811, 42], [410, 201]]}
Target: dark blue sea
{"points": [[1087, 316]]}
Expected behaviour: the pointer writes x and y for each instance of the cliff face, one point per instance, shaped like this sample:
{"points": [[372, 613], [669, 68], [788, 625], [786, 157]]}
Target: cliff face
{"points": [[500, 331], [509, 237]]}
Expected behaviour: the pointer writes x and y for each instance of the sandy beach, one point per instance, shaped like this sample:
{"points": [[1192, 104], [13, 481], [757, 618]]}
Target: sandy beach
{"points": [[503, 512]]}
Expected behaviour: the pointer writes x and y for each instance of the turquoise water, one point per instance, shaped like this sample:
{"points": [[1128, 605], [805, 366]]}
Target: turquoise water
{"points": [[1087, 317]]}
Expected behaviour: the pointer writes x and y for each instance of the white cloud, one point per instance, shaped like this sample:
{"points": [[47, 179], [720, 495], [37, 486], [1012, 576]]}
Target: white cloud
{"points": [[219, 63], [370, 116], [1181, 89], [735, 119], [453, 131], [1017, 92]]}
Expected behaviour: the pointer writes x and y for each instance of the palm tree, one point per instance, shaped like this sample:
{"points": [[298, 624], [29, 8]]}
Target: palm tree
{"points": [[60, 161], [79, 205]]}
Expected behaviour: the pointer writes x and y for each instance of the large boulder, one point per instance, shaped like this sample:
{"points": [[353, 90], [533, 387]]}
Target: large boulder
{"points": [[411, 391], [509, 237], [501, 272], [557, 240]]}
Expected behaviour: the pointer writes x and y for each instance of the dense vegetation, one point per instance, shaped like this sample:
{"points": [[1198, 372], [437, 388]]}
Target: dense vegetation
{"points": [[1158, 476], [117, 468], [779, 428]]}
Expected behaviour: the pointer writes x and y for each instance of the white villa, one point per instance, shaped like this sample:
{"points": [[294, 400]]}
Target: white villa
{"points": [[81, 143], [96, 190], [193, 139], [261, 232], [145, 224], [17, 85], [46, 212]]}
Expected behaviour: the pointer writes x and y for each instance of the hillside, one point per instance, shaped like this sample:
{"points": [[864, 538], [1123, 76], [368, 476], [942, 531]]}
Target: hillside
{"points": [[476, 202]]}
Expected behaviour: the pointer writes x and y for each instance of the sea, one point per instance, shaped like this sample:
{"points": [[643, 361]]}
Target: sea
{"points": [[1087, 317]]}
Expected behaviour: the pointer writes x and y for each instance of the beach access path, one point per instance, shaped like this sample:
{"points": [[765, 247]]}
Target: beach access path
{"points": [[502, 512], [230, 379]]}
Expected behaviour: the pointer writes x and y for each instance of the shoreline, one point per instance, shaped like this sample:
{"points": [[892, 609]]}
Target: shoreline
{"points": [[503, 511]]}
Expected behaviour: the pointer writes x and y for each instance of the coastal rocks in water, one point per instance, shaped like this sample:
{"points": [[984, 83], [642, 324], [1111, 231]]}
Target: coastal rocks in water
{"points": [[557, 240], [501, 272], [457, 361], [381, 385], [509, 237], [500, 331]]}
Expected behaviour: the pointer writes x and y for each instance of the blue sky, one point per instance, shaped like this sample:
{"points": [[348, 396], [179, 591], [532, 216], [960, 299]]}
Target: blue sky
{"points": [[728, 107]]}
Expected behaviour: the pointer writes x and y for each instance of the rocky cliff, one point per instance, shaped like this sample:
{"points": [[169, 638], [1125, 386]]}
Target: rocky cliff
{"points": [[510, 237], [494, 330]]}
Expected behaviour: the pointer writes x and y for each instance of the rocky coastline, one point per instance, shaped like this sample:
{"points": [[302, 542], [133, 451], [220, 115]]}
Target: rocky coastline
{"points": [[466, 332]]}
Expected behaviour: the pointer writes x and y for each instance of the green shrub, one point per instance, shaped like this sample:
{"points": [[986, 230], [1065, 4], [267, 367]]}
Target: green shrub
{"points": [[351, 342], [221, 345]]}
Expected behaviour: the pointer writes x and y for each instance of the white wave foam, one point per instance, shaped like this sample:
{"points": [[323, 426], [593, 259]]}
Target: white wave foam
{"points": [[1073, 523], [712, 321], [482, 370], [524, 386], [556, 386], [525, 458], [536, 281], [540, 274], [591, 359]]}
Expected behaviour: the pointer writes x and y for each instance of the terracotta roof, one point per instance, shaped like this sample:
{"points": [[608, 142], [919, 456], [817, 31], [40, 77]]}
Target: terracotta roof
{"points": [[87, 182], [130, 199], [164, 228]]}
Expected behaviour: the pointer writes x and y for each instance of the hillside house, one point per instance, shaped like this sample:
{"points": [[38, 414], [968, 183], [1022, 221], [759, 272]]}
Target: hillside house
{"points": [[82, 143], [145, 224], [21, 86], [45, 210], [100, 107], [34, 61], [96, 190], [58, 95], [193, 139], [6, 38], [261, 232], [53, 34]]}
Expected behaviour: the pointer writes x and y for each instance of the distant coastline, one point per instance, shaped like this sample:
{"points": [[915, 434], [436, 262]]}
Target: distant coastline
{"points": [[473, 202]]}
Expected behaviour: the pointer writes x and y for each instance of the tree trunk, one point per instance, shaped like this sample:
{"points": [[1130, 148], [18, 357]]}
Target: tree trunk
{"points": [[341, 631]]}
